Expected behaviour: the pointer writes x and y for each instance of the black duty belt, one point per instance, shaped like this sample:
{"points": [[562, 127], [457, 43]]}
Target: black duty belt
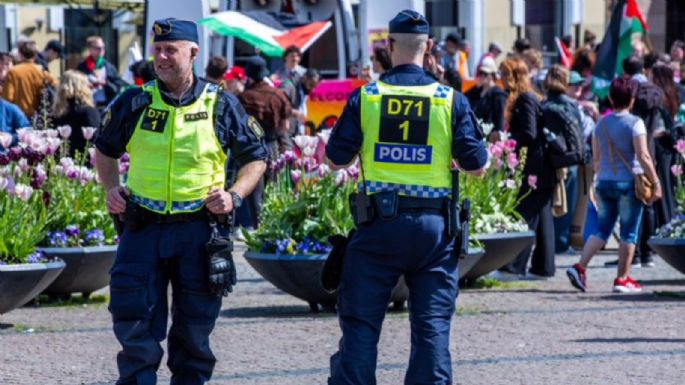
{"points": [[153, 217], [410, 203]]}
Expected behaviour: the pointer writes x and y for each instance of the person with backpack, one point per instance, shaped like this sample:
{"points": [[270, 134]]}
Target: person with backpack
{"points": [[522, 115], [561, 117]]}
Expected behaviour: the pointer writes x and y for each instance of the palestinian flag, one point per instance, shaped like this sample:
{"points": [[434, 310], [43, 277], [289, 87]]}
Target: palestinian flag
{"points": [[565, 53], [626, 21], [266, 31]]}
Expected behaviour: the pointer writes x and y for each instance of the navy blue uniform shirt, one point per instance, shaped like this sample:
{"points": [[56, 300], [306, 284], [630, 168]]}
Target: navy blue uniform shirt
{"points": [[234, 135], [467, 147]]}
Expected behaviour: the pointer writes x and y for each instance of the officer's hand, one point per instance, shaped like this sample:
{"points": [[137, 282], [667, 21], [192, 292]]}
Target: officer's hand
{"points": [[219, 201], [116, 204]]}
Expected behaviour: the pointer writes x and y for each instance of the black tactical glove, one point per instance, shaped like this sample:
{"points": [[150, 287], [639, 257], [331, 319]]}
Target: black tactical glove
{"points": [[332, 268], [222, 273]]}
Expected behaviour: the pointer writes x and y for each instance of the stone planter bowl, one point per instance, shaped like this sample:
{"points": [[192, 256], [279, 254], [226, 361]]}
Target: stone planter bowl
{"points": [[87, 269], [300, 276], [500, 249], [671, 250], [21, 283]]}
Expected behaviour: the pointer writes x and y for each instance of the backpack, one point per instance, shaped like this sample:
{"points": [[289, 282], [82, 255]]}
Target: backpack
{"points": [[561, 118]]}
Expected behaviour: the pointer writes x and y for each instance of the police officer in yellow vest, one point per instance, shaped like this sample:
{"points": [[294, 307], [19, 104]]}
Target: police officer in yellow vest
{"points": [[178, 131], [405, 129]]}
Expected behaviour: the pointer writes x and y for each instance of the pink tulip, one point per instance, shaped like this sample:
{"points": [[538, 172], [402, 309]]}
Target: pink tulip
{"points": [[510, 145], [512, 161], [3, 183], [5, 139], [677, 170], [533, 181], [22, 166], [51, 133], [510, 184], [680, 146], [64, 131], [88, 132], [496, 151]]}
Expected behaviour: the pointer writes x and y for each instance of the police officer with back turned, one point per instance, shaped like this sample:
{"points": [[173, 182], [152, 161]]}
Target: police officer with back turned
{"points": [[177, 130], [406, 128]]}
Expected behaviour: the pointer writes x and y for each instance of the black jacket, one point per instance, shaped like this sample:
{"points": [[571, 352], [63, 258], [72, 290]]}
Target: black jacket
{"points": [[525, 127], [490, 107], [114, 81]]}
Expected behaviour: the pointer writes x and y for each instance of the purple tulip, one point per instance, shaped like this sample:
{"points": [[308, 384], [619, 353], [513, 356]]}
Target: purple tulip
{"points": [[295, 175], [125, 158], [15, 154], [4, 159]]}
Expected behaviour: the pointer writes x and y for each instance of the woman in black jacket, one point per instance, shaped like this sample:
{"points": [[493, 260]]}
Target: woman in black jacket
{"points": [[522, 114], [74, 107], [487, 100]]}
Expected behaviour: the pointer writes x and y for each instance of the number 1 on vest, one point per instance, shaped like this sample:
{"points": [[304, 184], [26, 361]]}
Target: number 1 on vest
{"points": [[405, 130]]}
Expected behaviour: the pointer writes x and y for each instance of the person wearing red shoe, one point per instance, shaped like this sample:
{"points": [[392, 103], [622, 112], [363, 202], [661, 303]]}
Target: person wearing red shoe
{"points": [[619, 148]]}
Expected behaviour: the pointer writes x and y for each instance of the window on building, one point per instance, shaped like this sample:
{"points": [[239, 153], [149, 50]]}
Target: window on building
{"points": [[543, 23], [79, 24]]}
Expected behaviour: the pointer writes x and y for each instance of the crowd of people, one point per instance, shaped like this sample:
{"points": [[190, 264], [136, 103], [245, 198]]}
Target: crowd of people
{"points": [[632, 131], [32, 97]]}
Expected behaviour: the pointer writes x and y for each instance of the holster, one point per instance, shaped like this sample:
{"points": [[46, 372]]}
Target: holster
{"points": [[332, 268], [464, 234], [134, 216], [362, 208], [221, 267]]}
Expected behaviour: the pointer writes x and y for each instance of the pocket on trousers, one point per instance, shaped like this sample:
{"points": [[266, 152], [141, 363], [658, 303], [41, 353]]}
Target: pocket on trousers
{"points": [[130, 292], [200, 308]]}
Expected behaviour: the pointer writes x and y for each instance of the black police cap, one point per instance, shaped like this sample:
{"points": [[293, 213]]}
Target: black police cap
{"points": [[409, 21], [172, 29]]}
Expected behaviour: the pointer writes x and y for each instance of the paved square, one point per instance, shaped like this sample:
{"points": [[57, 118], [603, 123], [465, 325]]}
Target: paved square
{"points": [[529, 334]]}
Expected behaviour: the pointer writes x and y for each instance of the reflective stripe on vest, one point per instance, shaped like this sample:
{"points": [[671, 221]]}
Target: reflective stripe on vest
{"points": [[407, 143], [176, 157]]}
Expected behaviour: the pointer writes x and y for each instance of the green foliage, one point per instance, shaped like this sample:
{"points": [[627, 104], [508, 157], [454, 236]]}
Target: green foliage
{"points": [[22, 227], [494, 196], [299, 215]]}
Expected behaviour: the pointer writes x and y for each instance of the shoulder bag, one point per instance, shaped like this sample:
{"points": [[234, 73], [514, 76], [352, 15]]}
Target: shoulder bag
{"points": [[644, 188]]}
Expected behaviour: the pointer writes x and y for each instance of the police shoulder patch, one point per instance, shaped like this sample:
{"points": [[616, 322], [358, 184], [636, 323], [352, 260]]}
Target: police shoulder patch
{"points": [[256, 128]]}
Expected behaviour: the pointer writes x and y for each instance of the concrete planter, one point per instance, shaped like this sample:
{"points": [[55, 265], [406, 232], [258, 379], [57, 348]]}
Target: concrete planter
{"points": [[671, 250], [87, 269], [21, 283], [500, 249], [300, 276]]}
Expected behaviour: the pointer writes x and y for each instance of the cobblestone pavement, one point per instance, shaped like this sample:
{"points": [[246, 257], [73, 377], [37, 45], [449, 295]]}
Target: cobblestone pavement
{"points": [[529, 333]]}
